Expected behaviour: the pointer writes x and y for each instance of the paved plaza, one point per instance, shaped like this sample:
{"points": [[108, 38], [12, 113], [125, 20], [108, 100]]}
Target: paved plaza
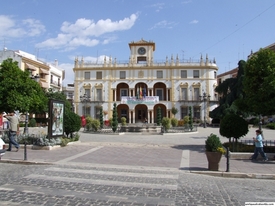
{"points": [[133, 169]]}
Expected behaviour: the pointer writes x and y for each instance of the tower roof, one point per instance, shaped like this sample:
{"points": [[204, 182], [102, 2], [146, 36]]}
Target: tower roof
{"points": [[142, 42]]}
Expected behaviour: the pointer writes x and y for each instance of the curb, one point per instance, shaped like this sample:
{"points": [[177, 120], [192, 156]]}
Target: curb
{"points": [[25, 162], [236, 175]]}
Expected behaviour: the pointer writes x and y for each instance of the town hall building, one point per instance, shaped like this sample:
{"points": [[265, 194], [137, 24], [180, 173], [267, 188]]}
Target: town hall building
{"points": [[141, 85]]}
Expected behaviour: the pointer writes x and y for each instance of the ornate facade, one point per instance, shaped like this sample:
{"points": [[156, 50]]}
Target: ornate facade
{"points": [[141, 85]]}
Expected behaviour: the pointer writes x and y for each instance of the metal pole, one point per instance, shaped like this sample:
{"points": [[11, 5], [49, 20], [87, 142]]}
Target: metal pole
{"points": [[204, 99], [25, 150], [227, 159], [26, 132]]}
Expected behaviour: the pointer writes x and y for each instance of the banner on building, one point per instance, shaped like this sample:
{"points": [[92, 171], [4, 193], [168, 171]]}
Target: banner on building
{"points": [[141, 100]]}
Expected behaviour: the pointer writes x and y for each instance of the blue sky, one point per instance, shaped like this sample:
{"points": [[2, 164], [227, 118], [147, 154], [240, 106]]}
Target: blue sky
{"points": [[63, 29]]}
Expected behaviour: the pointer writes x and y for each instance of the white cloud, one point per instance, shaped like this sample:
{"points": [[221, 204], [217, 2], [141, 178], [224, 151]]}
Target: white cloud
{"points": [[35, 28], [9, 27], [164, 25], [158, 6], [194, 22], [79, 33]]}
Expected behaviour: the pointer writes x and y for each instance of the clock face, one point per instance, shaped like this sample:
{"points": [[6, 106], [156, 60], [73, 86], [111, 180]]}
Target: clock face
{"points": [[141, 50]]}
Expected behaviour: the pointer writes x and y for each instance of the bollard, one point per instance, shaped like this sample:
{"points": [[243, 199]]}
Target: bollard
{"points": [[25, 150], [227, 159]]}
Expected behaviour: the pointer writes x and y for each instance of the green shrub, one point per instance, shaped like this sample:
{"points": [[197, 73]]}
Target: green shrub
{"points": [[270, 125], [158, 116], [64, 142], [166, 123], [212, 143], [114, 121], [123, 121], [88, 123], [32, 123], [174, 122], [92, 124], [186, 119]]}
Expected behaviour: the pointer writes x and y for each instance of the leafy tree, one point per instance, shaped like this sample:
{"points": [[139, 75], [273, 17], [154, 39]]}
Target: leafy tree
{"points": [[234, 126], [259, 82], [18, 91], [101, 118], [190, 119], [231, 95], [114, 119], [174, 111], [72, 122], [158, 116]]}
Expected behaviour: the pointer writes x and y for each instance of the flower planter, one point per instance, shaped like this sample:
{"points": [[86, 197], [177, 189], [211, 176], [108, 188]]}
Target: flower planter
{"points": [[213, 160]]}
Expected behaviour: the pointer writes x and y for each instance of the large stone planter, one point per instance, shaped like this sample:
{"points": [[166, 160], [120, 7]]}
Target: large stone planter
{"points": [[214, 159]]}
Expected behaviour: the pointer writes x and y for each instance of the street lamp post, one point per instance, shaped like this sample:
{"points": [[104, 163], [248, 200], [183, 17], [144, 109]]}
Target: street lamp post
{"points": [[84, 99], [26, 129], [205, 97]]}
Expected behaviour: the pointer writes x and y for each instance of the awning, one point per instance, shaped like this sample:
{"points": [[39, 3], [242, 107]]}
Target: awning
{"points": [[44, 84], [30, 67], [44, 71]]}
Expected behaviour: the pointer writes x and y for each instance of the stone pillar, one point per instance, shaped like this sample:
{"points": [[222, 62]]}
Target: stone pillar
{"points": [[134, 117]]}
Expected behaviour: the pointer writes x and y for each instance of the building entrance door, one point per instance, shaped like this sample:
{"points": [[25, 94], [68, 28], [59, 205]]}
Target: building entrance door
{"points": [[141, 113]]}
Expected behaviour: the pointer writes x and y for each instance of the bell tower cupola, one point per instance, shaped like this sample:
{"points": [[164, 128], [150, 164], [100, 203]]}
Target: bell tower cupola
{"points": [[141, 52]]}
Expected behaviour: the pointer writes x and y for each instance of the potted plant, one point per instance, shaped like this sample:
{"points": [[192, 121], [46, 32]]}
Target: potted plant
{"points": [[214, 151]]}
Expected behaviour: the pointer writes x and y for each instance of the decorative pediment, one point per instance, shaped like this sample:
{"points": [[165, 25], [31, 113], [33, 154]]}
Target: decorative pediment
{"points": [[183, 85], [196, 84], [87, 86], [100, 85]]}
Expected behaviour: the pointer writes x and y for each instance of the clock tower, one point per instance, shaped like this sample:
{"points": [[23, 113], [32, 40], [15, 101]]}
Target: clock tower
{"points": [[142, 51]]}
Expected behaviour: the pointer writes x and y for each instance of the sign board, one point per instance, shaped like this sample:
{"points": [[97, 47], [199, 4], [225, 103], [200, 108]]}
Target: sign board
{"points": [[56, 118], [148, 100]]}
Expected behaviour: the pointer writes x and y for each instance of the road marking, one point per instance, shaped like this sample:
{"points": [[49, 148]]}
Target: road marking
{"points": [[116, 173], [104, 182], [79, 155], [185, 161]]}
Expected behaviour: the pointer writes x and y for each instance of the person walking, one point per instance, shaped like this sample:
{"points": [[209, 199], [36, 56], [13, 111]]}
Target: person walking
{"points": [[13, 130], [259, 147]]}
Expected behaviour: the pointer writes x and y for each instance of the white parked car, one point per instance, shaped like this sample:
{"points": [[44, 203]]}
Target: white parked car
{"points": [[2, 148]]}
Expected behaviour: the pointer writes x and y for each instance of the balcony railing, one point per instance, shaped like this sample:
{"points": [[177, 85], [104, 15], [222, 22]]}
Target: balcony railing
{"points": [[56, 83]]}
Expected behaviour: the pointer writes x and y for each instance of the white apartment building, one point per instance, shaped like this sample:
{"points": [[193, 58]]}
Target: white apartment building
{"points": [[141, 85], [50, 76]]}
